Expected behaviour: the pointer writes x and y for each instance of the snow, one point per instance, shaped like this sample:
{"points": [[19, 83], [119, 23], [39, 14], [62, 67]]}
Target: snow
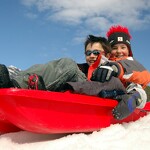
{"points": [[126, 136]]}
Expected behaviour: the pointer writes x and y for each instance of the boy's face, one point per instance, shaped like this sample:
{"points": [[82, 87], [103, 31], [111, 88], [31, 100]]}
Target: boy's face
{"points": [[119, 51], [96, 48]]}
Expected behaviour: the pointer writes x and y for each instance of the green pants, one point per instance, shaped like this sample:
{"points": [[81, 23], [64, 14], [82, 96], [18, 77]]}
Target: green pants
{"points": [[54, 73]]}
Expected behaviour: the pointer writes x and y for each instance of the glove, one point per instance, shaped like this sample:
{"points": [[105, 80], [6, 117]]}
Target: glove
{"points": [[111, 93], [105, 72], [127, 104]]}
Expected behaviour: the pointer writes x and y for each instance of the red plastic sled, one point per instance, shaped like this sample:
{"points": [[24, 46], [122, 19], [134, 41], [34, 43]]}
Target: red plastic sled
{"points": [[56, 112]]}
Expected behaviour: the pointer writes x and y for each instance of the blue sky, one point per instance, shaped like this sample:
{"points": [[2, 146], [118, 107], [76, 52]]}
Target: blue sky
{"points": [[37, 31]]}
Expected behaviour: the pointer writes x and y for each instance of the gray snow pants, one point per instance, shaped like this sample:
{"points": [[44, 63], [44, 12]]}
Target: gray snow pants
{"points": [[54, 73]]}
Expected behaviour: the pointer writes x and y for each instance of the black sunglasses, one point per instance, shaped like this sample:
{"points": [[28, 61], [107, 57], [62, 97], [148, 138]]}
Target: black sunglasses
{"points": [[89, 52]]}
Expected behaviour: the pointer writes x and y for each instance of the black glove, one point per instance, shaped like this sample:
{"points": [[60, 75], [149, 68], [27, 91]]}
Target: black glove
{"points": [[128, 103], [111, 93], [105, 72]]}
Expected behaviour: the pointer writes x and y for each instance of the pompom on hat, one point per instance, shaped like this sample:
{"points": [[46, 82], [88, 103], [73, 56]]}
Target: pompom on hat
{"points": [[119, 34]]}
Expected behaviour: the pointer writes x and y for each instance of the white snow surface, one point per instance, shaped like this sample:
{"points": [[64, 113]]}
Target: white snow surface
{"points": [[126, 136]]}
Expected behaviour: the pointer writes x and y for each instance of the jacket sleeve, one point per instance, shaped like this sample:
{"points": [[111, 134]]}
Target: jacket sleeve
{"points": [[84, 68], [134, 72]]}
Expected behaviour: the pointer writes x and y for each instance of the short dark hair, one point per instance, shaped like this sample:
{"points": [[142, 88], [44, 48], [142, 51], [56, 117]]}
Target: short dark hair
{"points": [[95, 39]]}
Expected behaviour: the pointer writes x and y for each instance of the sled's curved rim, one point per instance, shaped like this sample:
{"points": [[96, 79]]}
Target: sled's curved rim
{"points": [[24, 104]]}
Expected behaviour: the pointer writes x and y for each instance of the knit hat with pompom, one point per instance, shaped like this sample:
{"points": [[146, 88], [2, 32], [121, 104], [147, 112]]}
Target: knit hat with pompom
{"points": [[119, 34]]}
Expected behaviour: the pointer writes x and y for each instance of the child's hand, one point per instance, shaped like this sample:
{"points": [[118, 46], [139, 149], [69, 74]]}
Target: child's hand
{"points": [[105, 72]]}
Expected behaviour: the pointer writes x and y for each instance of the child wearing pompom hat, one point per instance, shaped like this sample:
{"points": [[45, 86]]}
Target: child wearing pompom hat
{"points": [[120, 34], [131, 73], [130, 69]]}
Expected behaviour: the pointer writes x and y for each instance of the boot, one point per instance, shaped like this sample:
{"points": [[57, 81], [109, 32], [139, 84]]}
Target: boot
{"points": [[4, 77], [127, 104]]}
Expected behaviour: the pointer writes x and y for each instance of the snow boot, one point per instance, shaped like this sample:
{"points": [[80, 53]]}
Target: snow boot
{"points": [[4, 77], [127, 104]]}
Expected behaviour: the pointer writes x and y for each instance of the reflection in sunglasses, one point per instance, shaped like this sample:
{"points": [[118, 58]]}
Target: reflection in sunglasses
{"points": [[89, 52]]}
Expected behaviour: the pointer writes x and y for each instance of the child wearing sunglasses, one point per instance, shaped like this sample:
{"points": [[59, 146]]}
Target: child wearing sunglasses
{"points": [[59, 75], [97, 51]]}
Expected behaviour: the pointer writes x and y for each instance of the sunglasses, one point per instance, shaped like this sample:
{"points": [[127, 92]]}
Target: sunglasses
{"points": [[89, 52]]}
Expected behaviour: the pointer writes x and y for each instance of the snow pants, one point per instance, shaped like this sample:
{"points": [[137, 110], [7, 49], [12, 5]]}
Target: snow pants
{"points": [[54, 73]]}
